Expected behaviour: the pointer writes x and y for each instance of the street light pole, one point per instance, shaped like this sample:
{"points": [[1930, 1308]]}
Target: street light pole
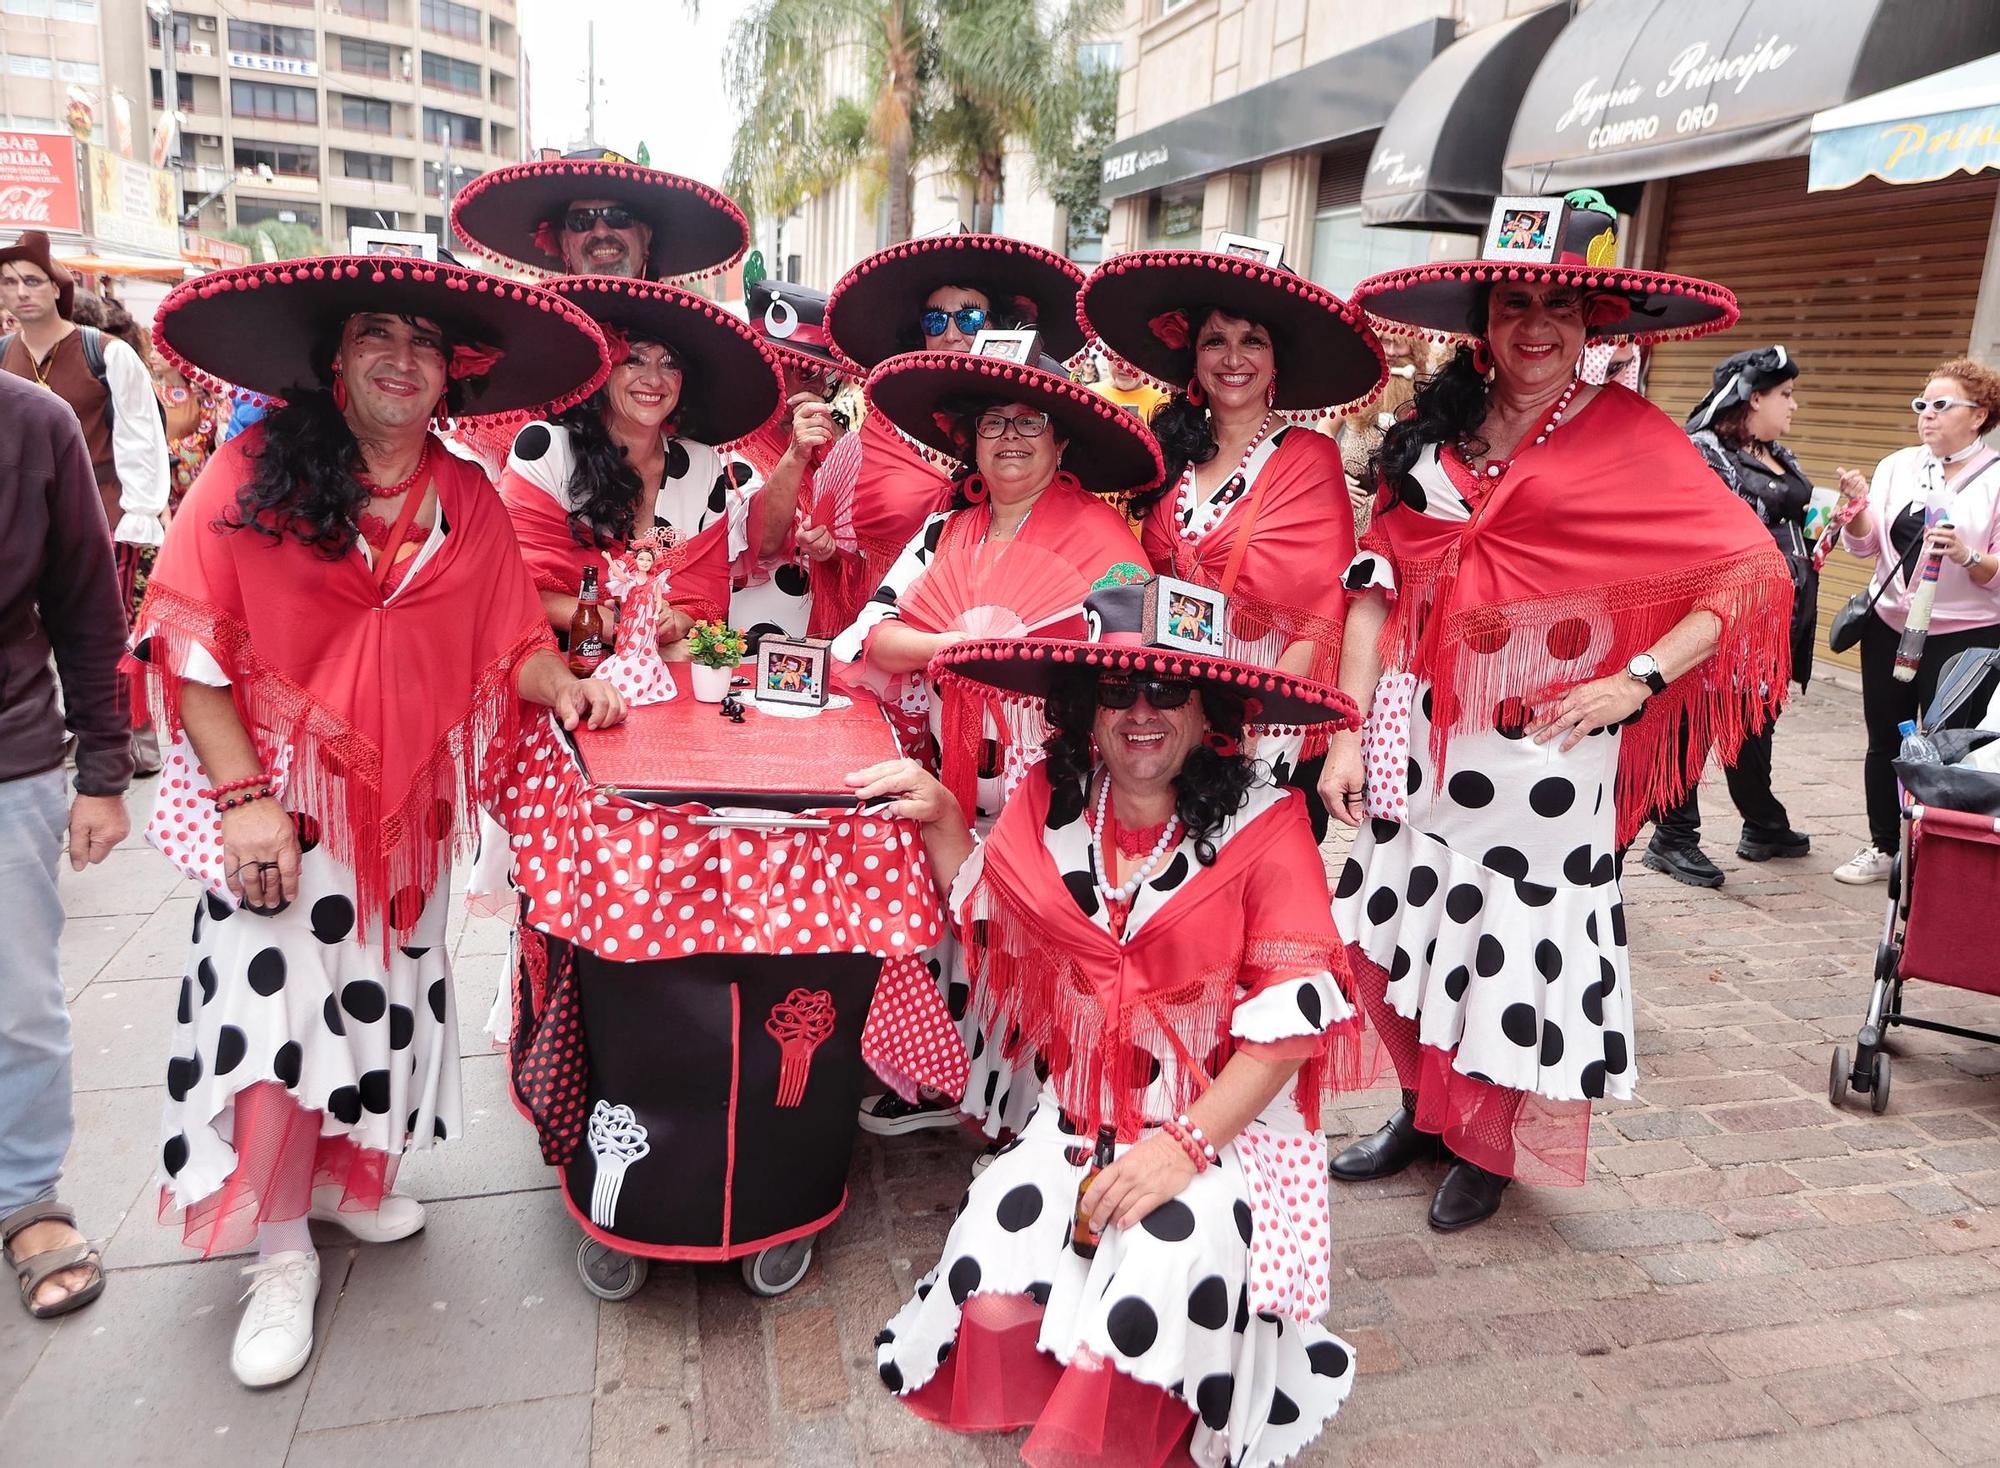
{"points": [[162, 12]]}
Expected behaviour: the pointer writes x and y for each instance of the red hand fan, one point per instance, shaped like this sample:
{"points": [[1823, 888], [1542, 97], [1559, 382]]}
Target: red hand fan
{"points": [[994, 589]]}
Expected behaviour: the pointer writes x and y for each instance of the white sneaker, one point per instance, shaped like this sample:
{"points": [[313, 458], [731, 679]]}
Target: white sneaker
{"points": [[399, 1216], [1865, 866], [274, 1340]]}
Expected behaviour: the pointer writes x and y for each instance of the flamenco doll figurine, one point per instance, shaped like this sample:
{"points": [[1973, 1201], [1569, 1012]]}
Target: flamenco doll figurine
{"points": [[639, 580]]}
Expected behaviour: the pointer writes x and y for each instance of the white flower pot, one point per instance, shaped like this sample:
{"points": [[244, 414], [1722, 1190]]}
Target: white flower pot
{"points": [[711, 685]]}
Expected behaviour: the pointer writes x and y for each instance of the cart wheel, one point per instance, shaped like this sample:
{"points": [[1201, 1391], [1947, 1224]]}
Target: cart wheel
{"points": [[1836, 1077], [770, 1272], [608, 1274], [1878, 1097]]}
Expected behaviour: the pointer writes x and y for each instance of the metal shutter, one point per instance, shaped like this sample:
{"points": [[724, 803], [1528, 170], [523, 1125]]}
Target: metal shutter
{"points": [[1869, 287]]}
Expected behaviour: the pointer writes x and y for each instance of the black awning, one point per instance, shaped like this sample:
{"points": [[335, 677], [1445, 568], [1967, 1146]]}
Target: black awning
{"points": [[1639, 89], [1437, 162], [1340, 97]]}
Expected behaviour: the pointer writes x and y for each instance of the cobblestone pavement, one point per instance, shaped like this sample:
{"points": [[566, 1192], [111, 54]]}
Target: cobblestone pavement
{"points": [[1749, 1275]]}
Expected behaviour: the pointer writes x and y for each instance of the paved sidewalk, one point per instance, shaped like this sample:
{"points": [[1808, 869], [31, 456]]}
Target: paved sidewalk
{"points": [[1748, 1276]]}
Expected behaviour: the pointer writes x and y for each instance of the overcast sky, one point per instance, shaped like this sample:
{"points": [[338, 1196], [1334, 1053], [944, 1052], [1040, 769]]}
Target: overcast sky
{"points": [[659, 78]]}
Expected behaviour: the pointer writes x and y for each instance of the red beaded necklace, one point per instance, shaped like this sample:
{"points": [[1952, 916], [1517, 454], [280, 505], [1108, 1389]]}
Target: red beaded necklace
{"points": [[1139, 841], [403, 485]]}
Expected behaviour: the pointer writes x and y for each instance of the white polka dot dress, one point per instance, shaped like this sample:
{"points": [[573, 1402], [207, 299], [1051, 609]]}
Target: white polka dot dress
{"points": [[1495, 909], [304, 998], [1165, 1302]]}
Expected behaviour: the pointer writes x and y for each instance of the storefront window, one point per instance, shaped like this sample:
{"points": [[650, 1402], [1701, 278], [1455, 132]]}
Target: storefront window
{"points": [[1173, 217], [1345, 252]]}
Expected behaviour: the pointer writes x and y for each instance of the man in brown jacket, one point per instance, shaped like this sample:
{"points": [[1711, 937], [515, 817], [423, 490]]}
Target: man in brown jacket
{"points": [[59, 618]]}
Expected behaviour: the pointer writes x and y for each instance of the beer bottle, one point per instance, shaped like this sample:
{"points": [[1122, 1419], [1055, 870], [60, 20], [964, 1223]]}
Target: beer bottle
{"points": [[1082, 1237], [587, 644]]}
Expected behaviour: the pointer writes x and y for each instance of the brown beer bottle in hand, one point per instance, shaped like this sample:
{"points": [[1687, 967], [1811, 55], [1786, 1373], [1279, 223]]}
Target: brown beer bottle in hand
{"points": [[587, 644], [1082, 1237]]}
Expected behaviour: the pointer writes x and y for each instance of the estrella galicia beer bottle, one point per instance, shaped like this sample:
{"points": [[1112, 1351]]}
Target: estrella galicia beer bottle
{"points": [[1082, 1237], [587, 644]]}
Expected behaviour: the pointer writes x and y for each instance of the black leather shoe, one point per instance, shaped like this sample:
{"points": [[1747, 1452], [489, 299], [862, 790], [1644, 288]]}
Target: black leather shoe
{"points": [[1683, 864], [1763, 846], [1387, 1152], [1469, 1194]]}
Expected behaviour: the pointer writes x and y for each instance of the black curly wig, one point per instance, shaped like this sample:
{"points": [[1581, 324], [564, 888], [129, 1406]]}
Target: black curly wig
{"points": [[1186, 432], [305, 482], [1210, 788]]}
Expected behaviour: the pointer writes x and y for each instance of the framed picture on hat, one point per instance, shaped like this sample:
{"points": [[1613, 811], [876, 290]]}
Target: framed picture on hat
{"points": [[1249, 247], [1527, 230], [411, 244], [1183, 615], [1024, 347], [792, 670]]}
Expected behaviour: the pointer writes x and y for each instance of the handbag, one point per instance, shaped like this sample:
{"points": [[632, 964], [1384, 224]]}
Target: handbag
{"points": [[1849, 620]]}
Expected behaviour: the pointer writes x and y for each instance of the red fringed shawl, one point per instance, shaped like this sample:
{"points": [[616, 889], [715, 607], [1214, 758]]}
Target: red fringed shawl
{"points": [[1614, 522], [1098, 1011], [893, 489], [400, 716], [698, 568]]}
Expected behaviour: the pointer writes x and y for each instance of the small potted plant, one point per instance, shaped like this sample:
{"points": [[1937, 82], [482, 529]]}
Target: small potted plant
{"points": [[714, 650]]}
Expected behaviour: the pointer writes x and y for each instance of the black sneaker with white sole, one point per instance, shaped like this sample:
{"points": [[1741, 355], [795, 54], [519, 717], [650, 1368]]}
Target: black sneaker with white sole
{"points": [[889, 1115]]}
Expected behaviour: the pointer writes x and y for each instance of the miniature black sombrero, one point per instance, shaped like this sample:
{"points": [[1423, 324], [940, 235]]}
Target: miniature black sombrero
{"points": [[729, 382], [873, 310], [791, 321], [1138, 305], [259, 327], [933, 397], [1571, 240], [515, 214], [1155, 628]]}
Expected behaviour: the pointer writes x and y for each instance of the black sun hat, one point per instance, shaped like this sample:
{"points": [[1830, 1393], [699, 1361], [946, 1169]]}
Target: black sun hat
{"points": [[516, 346], [514, 214], [1126, 622], [1110, 451], [1136, 304], [1572, 240], [730, 384], [872, 306]]}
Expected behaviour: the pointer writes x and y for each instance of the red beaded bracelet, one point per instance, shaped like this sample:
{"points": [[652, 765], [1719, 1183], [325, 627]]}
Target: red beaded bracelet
{"points": [[217, 792], [242, 798], [1186, 1123], [1187, 1145]]}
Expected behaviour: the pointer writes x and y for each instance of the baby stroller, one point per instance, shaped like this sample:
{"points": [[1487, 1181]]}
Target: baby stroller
{"points": [[1943, 884]]}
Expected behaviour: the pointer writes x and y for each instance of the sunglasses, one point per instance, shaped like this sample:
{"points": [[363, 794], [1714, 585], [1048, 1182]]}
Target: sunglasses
{"points": [[615, 216], [1161, 693], [1938, 405], [969, 319], [1027, 425]]}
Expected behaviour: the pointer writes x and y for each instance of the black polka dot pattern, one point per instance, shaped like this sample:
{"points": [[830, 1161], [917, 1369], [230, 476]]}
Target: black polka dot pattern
{"points": [[1132, 1326]]}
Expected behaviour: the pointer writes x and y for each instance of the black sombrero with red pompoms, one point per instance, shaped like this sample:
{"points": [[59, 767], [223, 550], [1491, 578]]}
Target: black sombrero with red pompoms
{"points": [[729, 381], [934, 396], [257, 327], [514, 214], [791, 320], [1120, 643], [874, 307]]}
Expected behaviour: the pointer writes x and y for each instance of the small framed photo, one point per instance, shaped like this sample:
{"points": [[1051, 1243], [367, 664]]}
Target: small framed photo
{"points": [[1249, 247], [408, 243], [792, 670], [1183, 615], [1526, 230], [1024, 347]]}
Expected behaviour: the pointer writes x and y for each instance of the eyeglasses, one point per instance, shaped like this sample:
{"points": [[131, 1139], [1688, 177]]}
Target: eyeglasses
{"points": [[1027, 425], [615, 216], [1161, 693], [968, 318], [1938, 405]]}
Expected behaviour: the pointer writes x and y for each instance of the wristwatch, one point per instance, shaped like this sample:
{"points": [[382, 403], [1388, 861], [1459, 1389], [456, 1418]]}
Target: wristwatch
{"points": [[1645, 669]]}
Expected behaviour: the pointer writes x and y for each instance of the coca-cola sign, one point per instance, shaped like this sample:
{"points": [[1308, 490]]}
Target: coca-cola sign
{"points": [[38, 183]]}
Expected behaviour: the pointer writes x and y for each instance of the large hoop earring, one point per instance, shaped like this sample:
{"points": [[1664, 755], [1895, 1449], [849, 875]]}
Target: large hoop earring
{"points": [[1482, 359], [973, 487], [1195, 396]]}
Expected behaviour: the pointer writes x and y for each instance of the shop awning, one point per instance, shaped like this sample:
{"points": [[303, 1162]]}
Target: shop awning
{"points": [[1923, 130], [1341, 97], [1437, 162], [1640, 89]]}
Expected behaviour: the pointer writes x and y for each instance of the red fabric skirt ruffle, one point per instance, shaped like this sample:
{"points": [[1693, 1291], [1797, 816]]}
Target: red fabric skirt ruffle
{"points": [[1516, 1134], [280, 1158], [997, 1379]]}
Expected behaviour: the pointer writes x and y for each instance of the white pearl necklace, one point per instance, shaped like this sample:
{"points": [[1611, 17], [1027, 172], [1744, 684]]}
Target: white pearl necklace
{"points": [[1496, 467], [1205, 517], [1125, 890]]}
